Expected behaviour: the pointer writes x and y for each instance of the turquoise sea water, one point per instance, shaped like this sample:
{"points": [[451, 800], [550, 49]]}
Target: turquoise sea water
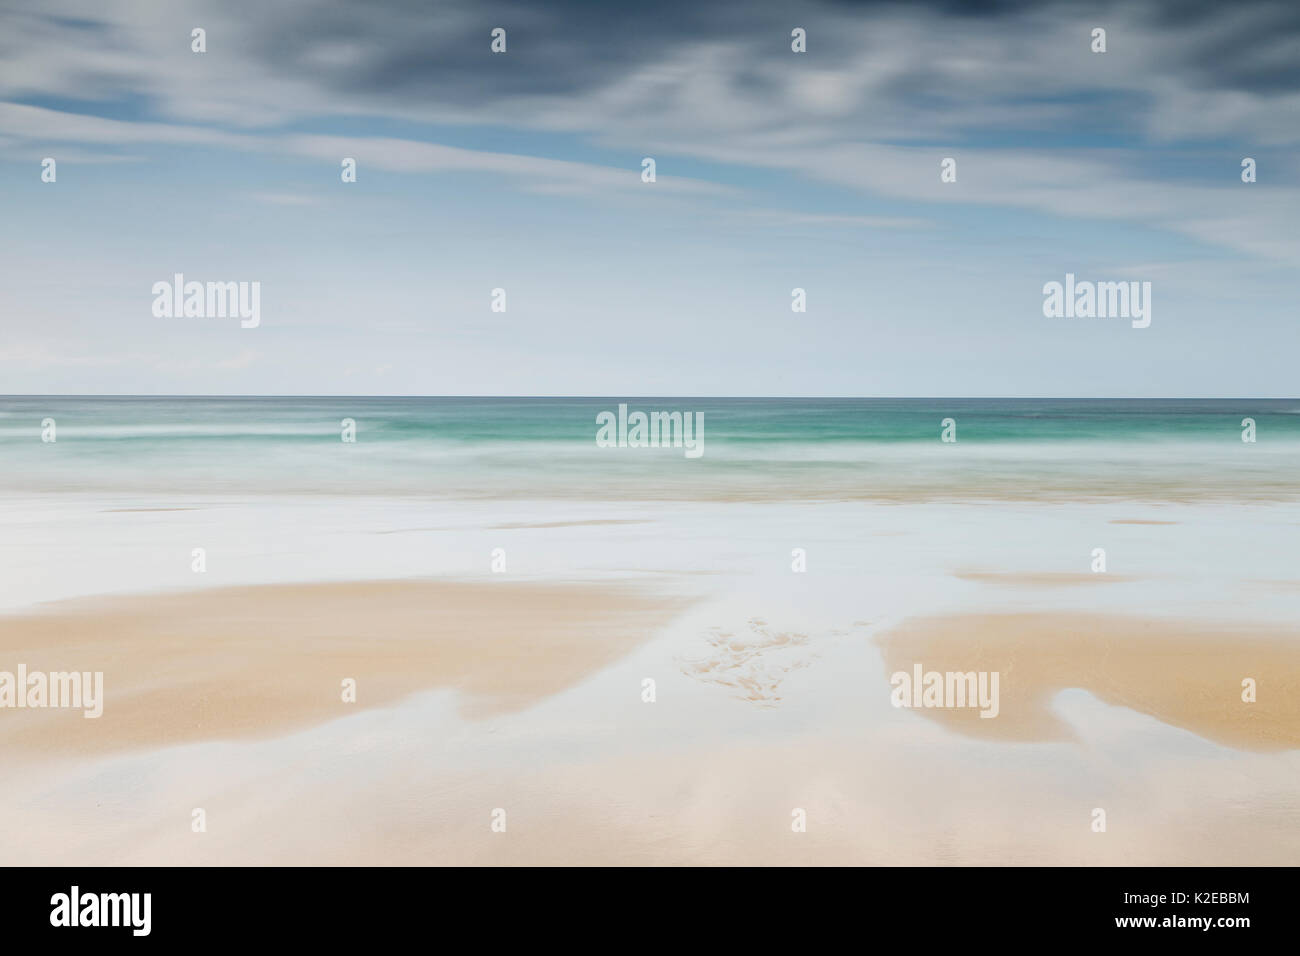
{"points": [[754, 448]]}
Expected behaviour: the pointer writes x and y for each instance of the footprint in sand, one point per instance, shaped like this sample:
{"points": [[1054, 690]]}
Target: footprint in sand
{"points": [[752, 664]]}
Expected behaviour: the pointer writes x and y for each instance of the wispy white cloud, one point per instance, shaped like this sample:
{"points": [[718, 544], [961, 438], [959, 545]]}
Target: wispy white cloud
{"points": [[883, 93], [408, 156]]}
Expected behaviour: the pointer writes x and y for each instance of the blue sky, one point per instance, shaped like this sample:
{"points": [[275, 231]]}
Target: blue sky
{"points": [[775, 170]]}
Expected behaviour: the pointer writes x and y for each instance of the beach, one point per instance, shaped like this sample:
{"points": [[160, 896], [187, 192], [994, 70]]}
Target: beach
{"points": [[626, 671]]}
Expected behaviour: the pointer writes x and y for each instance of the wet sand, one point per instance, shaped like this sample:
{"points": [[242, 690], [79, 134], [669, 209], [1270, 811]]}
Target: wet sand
{"points": [[229, 699], [261, 661], [1186, 674]]}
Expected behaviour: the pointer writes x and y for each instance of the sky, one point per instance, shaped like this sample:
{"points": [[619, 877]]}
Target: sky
{"points": [[774, 170]]}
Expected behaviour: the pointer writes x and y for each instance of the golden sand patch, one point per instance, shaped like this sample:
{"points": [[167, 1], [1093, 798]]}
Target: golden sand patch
{"points": [[1188, 675], [260, 661]]}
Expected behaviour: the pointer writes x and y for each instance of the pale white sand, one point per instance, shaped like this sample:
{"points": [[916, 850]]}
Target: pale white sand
{"points": [[772, 687]]}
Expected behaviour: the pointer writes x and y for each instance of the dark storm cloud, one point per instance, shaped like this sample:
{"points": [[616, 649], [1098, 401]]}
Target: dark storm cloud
{"points": [[1248, 47], [716, 78], [431, 53], [414, 49]]}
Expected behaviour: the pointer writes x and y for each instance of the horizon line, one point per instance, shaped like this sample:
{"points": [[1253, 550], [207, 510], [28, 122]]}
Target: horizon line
{"points": [[631, 397]]}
